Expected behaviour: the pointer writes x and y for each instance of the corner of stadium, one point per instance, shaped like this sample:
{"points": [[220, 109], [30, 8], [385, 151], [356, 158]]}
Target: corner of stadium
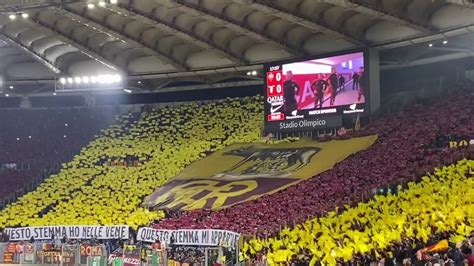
{"points": [[236, 132]]}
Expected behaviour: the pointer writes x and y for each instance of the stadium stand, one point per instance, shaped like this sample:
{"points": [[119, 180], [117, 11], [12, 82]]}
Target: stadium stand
{"points": [[437, 207], [107, 181], [116, 134], [35, 142], [400, 155]]}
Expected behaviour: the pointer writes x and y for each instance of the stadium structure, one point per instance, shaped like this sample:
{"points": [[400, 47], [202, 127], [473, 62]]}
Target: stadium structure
{"points": [[236, 132]]}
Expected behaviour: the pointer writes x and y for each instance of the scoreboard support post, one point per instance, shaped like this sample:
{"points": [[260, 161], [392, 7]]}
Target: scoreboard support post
{"points": [[373, 67]]}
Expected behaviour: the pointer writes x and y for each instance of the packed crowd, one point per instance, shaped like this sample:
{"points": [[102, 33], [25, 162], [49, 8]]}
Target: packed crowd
{"points": [[90, 189], [398, 156], [108, 180], [188, 255], [441, 205], [129, 250], [35, 141]]}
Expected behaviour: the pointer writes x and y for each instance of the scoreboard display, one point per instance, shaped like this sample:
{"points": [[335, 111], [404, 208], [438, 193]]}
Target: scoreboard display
{"points": [[314, 94]]}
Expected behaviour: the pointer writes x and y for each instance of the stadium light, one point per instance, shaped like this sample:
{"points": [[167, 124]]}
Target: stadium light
{"points": [[254, 73], [102, 3], [24, 15], [54, 93], [7, 95], [102, 79], [430, 45], [139, 82], [108, 79], [11, 87], [445, 42], [90, 6], [17, 138], [113, 1], [127, 91], [12, 16], [116, 78]]}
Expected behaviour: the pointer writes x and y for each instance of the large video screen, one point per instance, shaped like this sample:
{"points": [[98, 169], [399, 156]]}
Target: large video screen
{"points": [[314, 94]]}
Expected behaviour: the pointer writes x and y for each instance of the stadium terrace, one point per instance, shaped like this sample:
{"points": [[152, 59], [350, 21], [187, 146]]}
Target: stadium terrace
{"points": [[232, 132]]}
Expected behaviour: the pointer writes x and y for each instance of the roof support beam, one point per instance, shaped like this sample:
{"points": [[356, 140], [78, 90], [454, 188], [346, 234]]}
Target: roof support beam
{"points": [[31, 53], [9, 60], [462, 3], [123, 36], [430, 60], [240, 27], [181, 31], [269, 7], [363, 8], [75, 43]]}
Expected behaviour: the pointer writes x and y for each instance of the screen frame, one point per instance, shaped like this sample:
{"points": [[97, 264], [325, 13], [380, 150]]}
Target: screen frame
{"points": [[364, 51]]}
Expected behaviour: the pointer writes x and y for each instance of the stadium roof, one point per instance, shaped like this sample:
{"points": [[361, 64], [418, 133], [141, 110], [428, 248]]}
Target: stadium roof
{"points": [[209, 41]]}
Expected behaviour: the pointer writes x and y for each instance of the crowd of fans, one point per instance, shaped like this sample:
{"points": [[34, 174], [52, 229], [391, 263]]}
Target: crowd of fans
{"points": [[387, 227], [90, 189], [188, 255], [399, 155], [33, 142], [106, 182]]}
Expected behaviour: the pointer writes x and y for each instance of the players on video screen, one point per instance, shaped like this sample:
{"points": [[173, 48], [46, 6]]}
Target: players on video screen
{"points": [[323, 83], [290, 88], [361, 83], [333, 81], [318, 86]]}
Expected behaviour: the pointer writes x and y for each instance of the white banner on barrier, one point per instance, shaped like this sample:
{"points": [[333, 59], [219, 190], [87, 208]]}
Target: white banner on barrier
{"points": [[190, 237], [70, 232]]}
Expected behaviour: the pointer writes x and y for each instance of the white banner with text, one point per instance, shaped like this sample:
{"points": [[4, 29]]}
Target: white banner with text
{"points": [[69, 232], [189, 237]]}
